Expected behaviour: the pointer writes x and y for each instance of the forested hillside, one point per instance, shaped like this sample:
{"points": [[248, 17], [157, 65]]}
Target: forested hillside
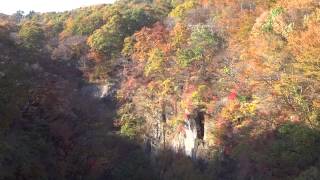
{"points": [[162, 89]]}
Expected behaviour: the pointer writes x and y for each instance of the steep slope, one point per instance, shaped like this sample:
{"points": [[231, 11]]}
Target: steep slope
{"points": [[179, 89]]}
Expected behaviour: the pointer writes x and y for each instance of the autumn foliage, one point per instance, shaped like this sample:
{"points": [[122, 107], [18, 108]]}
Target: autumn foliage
{"points": [[247, 72]]}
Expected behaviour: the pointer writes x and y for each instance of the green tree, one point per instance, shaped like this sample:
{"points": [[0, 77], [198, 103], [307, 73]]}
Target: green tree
{"points": [[109, 38], [31, 35], [203, 38], [84, 23], [106, 40], [134, 19], [186, 56], [128, 47]]}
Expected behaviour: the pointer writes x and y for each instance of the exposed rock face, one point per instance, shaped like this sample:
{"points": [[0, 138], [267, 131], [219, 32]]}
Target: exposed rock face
{"points": [[99, 90], [190, 138], [196, 131], [156, 135]]}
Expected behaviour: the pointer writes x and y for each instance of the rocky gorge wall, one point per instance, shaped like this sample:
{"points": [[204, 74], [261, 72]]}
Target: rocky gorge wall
{"points": [[191, 138]]}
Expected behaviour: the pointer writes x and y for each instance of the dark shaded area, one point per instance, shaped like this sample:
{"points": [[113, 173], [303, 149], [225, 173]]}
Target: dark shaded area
{"points": [[50, 130], [288, 152], [291, 151], [200, 124]]}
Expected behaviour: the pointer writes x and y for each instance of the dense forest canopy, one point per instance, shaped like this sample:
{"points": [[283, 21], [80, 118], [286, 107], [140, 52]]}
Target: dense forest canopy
{"points": [[162, 89]]}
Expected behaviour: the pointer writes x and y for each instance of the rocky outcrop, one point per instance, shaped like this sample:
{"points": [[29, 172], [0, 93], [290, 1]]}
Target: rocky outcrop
{"points": [[190, 139], [99, 90]]}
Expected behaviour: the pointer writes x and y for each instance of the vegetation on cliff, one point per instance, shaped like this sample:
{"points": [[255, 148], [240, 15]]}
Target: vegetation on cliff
{"points": [[246, 71]]}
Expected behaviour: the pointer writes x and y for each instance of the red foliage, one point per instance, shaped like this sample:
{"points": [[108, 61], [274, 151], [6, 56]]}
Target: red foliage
{"points": [[233, 95]]}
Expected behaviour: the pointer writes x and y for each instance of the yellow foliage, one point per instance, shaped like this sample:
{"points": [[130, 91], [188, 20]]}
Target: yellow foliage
{"points": [[197, 96], [167, 87], [179, 35], [248, 108], [236, 110], [155, 62], [228, 111], [175, 121], [180, 11]]}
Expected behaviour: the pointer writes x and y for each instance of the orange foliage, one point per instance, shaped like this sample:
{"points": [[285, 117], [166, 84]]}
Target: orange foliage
{"points": [[149, 38]]}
